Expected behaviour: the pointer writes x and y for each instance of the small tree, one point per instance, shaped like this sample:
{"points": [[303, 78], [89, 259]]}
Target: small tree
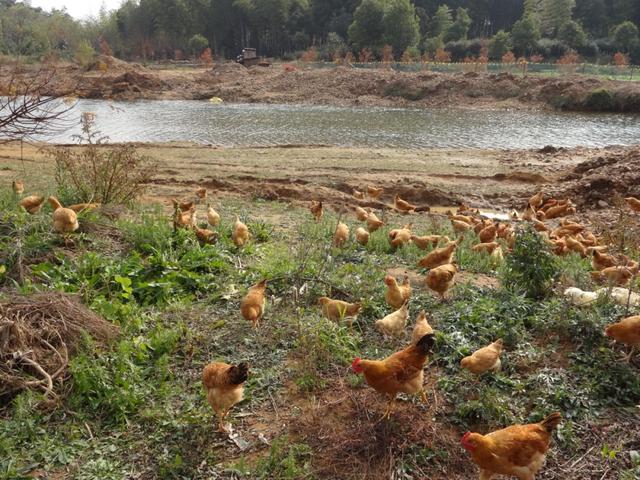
{"points": [[349, 58], [84, 53], [365, 55], [387, 54], [367, 28], [531, 267], [508, 57], [197, 44], [310, 55], [460, 28], [442, 56], [568, 62], [207, 56], [105, 48], [621, 60], [537, 58], [401, 26], [441, 22], [499, 44]]}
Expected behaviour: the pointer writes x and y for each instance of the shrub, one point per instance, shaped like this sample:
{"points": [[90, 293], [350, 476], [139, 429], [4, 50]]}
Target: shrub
{"points": [[387, 54], [207, 56], [84, 53], [365, 55], [600, 100], [99, 174], [531, 267], [621, 60], [442, 56], [310, 55], [508, 57]]}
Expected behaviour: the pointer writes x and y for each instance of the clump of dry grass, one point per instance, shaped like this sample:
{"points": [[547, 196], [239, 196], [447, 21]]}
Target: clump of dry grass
{"points": [[38, 332]]}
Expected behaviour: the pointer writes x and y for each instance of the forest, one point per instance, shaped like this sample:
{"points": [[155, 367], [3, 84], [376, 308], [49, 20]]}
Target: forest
{"points": [[148, 30]]}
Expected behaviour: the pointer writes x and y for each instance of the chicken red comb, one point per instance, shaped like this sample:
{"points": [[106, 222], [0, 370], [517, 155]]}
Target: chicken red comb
{"points": [[355, 361], [465, 437]]}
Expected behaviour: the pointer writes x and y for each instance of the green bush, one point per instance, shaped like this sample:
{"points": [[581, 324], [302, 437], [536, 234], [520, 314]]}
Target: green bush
{"points": [[600, 100], [531, 267]]}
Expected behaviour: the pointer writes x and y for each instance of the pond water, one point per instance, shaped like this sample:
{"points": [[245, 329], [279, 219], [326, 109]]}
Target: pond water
{"points": [[268, 125]]}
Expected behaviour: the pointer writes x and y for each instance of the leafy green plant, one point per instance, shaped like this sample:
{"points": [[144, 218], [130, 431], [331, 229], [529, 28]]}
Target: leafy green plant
{"points": [[286, 461], [531, 266]]}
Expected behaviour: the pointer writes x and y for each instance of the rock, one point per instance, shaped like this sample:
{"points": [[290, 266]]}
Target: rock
{"points": [[548, 149], [602, 204]]}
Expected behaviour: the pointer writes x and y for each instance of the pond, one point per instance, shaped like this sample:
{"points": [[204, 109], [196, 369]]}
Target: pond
{"points": [[269, 125]]}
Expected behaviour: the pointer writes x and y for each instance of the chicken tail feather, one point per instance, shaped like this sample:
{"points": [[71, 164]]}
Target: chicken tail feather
{"points": [[551, 422]]}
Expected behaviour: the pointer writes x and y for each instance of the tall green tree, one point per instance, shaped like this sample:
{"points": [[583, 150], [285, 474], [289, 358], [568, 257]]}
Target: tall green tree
{"points": [[367, 29], [572, 34], [441, 22], [525, 35], [401, 26], [554, 14], [460, 28], [625, 36], [499, 45]]}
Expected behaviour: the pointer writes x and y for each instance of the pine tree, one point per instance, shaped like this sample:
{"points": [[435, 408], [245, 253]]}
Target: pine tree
{"points": [[554, 14]]}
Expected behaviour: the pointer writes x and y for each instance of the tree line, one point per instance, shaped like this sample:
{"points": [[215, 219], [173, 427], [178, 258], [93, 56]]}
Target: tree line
{"points": [[362, 29]]}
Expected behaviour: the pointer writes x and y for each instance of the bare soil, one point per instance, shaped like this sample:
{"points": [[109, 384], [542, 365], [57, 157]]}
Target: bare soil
{"points": [[488, 179], [110, 78]]}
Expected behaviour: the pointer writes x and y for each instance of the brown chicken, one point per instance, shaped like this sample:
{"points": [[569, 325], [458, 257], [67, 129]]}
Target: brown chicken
{"points": [[373, 222], [32, 204], [460, 226], [619, 276], [518, 450], [460, 218], [427, 241], [485, 247], [421, 328], [18, 187], [441, 279], [402, 205], [362, 236], [626, 331], [374, 192], [254, 303], [240, 233], [397, 295], [634, 203], [316, 210], [338, 310], [600, 261], [84, 207], [183, 206], [341, 235], [358, 194], [488, 234], [575, 246], [400, 237], [537, 200], [402, 372], [394, 323], [205, 236], [65, 220], [361, 214], [213, 217], [224, 386], [184, 219], [440, 256], [201, 193], [484, 359]]}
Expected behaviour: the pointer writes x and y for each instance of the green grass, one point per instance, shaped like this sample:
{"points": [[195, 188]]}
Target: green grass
{"points": [[138, 405]]}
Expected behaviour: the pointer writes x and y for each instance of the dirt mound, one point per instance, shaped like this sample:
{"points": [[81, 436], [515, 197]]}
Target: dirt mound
{"points": [[350, 442], [38, 332], [595, 182]]}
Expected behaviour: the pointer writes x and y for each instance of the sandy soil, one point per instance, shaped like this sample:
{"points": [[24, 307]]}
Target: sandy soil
{"points": [[110, 78], [488, 179]]}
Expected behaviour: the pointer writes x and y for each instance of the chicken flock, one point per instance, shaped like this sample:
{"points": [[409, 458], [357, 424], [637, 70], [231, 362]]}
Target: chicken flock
{"points": [[517, 450]]}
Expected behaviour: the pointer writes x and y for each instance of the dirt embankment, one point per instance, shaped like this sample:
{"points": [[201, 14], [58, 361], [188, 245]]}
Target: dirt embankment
{"points": [[110, 78]]}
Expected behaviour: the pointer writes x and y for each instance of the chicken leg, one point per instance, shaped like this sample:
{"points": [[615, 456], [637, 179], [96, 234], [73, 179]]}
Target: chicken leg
{"points": [[423, 396], [629, 356], [389, 410], [222, 415]]}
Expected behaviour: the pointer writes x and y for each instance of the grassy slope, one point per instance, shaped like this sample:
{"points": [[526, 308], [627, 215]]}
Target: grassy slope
{"points": [[138, 409]]}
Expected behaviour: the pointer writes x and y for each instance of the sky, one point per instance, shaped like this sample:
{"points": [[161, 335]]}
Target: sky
{"points": [[80, 9]]}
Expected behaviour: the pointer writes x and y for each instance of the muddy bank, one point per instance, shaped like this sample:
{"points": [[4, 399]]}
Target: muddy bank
{"points": [[110, 78], [485, 179]]}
